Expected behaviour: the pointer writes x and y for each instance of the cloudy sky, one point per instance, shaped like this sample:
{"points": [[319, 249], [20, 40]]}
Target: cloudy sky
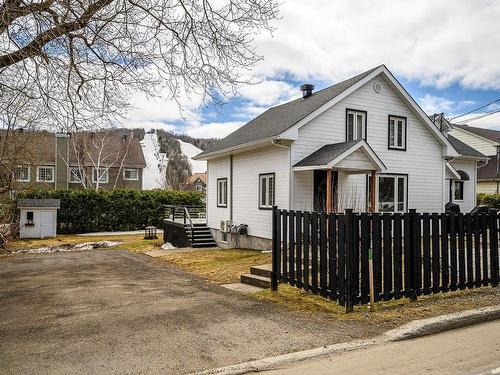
{"points": [[446, 53]]}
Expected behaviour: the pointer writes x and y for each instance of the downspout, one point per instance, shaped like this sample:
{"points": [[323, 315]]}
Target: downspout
{"points": [[290, 190], [231, 188]]}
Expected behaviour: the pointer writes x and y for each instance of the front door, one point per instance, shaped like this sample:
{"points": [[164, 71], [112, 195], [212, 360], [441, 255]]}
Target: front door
{"points": [[320, 190]]}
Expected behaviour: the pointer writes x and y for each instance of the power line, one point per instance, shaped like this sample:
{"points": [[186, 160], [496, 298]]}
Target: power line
{"points": [[474, 110], [478, 117]]}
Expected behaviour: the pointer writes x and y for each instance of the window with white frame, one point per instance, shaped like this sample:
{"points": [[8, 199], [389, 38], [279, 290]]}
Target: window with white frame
{"points": [[458, 190], [22, 173], [45, 174], [131, 174], [266, 190], [222, 192], [355, 125], [75, 175], [392, 193], [397, 132], [101, 175], [198, 187]]}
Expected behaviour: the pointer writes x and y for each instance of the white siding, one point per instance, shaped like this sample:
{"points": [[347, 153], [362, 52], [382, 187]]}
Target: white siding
{"points": [[218, 168], [469, 201], [303, 192], [357, 160], [246, 169], [422, 160], [483, 145], [489, 187]]}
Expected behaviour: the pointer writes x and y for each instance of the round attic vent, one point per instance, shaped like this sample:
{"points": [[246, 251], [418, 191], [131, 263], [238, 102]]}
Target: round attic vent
{"points": [[377, 87]]}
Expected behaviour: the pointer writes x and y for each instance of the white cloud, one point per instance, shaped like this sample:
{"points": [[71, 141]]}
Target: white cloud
{"points": [[434, 104], [268, 92], [437, 42], [475, 119], [213, 129]]}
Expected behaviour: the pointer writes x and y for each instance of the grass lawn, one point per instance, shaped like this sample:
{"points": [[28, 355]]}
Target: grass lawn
{"points": [[400, 311], [225, 266], [220, 265], [132, 242]]}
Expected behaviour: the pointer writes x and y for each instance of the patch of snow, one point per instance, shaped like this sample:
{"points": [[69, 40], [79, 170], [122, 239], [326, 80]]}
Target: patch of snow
{"points": [[168, 246], [190, 150], [153, 176], [70, 247]]}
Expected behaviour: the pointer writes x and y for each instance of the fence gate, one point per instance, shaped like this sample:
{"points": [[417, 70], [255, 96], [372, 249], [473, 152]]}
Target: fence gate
{"points": [[413, 253]]}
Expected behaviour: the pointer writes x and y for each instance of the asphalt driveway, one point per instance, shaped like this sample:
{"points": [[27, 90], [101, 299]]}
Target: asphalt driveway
{"points": [[99, 312]]}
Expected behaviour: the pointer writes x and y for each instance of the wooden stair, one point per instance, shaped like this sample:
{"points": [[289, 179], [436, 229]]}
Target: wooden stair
{"points": [[202, 237], [259, 276]]}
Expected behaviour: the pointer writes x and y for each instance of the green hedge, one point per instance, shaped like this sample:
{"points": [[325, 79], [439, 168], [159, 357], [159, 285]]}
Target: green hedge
{"points": [[491, 200], [117, 210]]}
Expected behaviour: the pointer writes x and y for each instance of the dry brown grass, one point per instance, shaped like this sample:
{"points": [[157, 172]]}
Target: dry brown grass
{"points": [[132, 242], [400, 311], [220, 266]]}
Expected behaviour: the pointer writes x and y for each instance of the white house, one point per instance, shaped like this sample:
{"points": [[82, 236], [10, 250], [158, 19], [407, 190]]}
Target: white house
{"points": [[486, 141], [363, 143]]}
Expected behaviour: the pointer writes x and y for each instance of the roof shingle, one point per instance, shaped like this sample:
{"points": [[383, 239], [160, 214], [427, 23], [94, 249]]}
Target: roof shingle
{"points": [[277, 119]]}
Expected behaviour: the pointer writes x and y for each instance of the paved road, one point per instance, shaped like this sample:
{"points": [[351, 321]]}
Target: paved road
{"points": [[113, 312], [469, 351]]}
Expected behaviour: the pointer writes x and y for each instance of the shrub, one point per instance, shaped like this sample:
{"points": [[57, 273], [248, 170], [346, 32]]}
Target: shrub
{"points": [[116, 210], [491, 200]]}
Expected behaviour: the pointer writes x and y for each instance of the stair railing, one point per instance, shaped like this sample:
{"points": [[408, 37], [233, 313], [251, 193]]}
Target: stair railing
{"points": [[199, 211]]}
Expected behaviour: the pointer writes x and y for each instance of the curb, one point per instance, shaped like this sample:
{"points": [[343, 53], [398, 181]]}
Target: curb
{"points": [[408, 331], [443, 323]]}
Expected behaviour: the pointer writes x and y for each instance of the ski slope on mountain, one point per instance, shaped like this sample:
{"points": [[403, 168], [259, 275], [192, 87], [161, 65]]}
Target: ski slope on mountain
{"points": [[156, 162], [153, 176], [190, 150]]}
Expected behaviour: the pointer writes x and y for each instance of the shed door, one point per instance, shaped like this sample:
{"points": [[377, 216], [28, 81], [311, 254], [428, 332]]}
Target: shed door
{"points": [[46, 224]]}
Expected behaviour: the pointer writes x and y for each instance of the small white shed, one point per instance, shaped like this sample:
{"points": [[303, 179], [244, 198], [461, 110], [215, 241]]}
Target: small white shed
{"points": [[38, 217]]}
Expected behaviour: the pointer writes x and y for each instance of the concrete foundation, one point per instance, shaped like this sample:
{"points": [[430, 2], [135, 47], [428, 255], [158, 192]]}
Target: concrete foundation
{"points": [[243, 242]]}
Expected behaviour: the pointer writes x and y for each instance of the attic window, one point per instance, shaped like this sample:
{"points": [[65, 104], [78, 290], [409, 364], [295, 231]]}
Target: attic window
{"points": [[397, 133], [355, 125]]}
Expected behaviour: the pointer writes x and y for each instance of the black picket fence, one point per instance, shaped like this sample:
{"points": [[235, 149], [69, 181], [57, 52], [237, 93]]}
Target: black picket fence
{"points": [[413, 253]]}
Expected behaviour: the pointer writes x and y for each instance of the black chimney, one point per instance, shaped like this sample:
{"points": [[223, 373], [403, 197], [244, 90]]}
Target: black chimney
{"points": [[307, 90]]}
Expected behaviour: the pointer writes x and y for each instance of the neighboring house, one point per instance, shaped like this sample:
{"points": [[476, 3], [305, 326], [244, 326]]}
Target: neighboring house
{"points": [[197, 182], [81, 160], [486, 141], [363, 143]]}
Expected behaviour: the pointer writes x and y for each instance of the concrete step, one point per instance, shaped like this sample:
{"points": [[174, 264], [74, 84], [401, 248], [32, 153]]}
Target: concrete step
{"points": [[204, 244], [256, 280], [264, 270]]}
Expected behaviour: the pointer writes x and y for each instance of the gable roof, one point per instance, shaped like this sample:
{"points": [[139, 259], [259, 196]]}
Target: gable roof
{"points": [[284, 119], [277, 119], [464, 149], [492, 135], [326, 154], [39, 148], [488, 172], [195, 176], [332, 154]]}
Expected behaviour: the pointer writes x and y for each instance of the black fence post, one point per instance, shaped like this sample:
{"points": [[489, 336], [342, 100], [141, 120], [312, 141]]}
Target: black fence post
{"points": [[413, 254], [275, 249], [349, 254]]}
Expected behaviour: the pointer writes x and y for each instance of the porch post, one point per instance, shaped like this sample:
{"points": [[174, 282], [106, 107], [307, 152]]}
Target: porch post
{"points": [[372, 191], [329, 191]]}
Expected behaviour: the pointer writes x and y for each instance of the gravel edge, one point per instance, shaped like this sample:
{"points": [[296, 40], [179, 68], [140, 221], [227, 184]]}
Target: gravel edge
{"points": [[407, 331]]}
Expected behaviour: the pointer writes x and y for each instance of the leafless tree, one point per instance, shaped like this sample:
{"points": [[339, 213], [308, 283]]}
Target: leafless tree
{"points": [[79, 61], [178, 172], [97, 152]]}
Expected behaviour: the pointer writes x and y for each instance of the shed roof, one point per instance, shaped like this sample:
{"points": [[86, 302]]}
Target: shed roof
{"points": [[38, 203]]}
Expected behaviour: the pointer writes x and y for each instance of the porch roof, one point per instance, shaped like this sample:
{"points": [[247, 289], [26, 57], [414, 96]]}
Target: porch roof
{"points": [[353, 155]]}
